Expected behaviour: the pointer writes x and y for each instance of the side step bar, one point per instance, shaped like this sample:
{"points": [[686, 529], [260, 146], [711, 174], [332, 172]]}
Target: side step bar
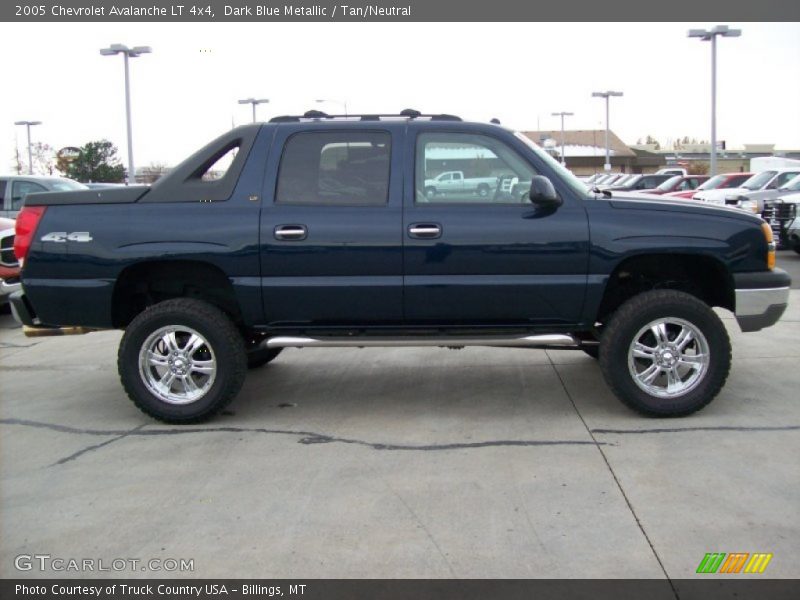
{"points": [[528, 341], [32, 331]]}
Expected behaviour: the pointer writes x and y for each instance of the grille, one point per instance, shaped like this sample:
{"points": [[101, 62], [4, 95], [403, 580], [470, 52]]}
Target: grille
{"points": [[779, 215], [7, 257]]}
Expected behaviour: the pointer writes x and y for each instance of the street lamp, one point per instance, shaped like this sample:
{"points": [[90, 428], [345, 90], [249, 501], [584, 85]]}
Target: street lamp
{"points": [[28, 125], [562, 115], [606, 95], [127, 53], [340, 102], [254, 101], [710, 35]]}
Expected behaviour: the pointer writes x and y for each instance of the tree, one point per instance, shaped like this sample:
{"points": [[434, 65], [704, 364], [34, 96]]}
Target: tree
{"points": [[42, 155], [98, 162], [697, 168], [17, 161], [653, 141], [152, 172]]}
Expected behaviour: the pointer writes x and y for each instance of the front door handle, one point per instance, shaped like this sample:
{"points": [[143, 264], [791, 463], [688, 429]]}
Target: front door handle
{"points": [[290, 233], [425, 231]]}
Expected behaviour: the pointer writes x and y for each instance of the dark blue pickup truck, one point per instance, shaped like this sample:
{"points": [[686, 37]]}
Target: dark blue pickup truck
{"points": [[319, 231]]}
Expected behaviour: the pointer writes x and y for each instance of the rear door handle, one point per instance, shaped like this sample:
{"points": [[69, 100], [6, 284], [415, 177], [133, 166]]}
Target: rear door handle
{"points": [[290, 233], [425, 231]]}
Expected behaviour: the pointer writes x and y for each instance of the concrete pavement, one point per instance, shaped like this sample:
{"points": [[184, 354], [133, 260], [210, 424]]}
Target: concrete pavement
{"points": [[400, 463]]}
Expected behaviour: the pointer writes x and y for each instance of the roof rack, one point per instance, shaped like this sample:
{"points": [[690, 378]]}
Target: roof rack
{"points": [[409, 113]]}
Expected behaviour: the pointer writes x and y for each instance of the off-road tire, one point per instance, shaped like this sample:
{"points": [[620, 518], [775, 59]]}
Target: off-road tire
{"points": [[593, 351], [222, 336], [641, 310]]}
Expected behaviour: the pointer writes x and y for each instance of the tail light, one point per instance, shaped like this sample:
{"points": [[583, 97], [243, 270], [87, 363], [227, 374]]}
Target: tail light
{"points": [[27, 221]]}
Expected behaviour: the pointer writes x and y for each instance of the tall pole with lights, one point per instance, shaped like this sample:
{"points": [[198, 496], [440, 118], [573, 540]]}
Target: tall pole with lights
{"points": [[710, 35], [28, 125], [254, 102], [606, 95], [126, 54], [562, 115]]}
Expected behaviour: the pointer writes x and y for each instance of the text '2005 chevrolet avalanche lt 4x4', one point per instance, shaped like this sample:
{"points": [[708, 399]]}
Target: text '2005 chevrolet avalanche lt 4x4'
{"points": [[321, 232]]}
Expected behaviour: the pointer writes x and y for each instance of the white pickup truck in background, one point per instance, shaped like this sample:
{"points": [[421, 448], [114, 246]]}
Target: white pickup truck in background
{"points": [[451, 182]]}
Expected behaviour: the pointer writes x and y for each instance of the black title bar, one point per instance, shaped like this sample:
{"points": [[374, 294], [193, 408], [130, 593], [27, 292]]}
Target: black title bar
{"points": [[399, 10], [709, 588]]}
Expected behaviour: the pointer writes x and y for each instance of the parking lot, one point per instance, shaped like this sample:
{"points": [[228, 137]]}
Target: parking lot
{"points": [[400, 463]]}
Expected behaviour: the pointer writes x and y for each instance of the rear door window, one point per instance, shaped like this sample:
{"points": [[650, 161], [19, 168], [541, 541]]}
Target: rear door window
{"points": [[335, 168]]}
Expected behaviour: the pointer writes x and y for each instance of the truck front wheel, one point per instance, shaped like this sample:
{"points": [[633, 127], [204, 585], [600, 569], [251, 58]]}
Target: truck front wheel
{"points": [[182, 361], [665, 353]]}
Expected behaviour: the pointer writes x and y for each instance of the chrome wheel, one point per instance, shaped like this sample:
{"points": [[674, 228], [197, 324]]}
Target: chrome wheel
{"points": [[177, 364], [668, 357]]}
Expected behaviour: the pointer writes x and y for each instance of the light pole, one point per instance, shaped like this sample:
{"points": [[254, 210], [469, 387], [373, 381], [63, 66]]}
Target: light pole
{"points": [[28, 125], [127, 53], [254, 101], [341, 102], [606, 95], [710, 35], [562, 115]]}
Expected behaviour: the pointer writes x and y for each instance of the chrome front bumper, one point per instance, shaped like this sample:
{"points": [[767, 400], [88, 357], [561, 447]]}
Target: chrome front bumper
{"points": [[6, 289], [760, 308]]}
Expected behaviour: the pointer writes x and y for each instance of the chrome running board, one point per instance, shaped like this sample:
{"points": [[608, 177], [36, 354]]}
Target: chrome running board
{"points": [[528, 341]]}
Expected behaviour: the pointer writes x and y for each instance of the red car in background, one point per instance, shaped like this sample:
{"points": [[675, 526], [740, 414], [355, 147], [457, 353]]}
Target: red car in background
{"points": [[9, 265], [679, 184], [721, 181]]}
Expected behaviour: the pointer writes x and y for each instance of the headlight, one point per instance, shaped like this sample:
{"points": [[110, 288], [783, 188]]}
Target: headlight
{"points": [[749, 206], [770, 245]]}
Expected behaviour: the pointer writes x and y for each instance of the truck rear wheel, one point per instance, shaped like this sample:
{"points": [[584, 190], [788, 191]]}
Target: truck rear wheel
{"points": [[665, 353], [182, 361]]}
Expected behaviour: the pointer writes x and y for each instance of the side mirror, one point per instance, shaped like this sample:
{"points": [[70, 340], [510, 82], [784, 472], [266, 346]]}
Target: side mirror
{"points": [[543, 193]]}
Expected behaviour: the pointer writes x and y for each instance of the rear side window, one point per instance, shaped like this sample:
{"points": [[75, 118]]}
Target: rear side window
{"points": [[335, 168]]}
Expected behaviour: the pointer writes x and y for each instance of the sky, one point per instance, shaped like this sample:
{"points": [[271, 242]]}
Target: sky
{"points": [[185, 93]]}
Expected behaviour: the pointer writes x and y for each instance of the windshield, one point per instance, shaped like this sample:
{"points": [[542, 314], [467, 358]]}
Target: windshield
{"points": [[793, 185], [759, 180], [713, 183], [669, 183], [633, 179], [65, 185], [566, 175]]}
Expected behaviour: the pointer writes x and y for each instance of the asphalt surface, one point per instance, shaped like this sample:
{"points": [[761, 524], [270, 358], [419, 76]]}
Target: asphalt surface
{"points": [[396, 463]]}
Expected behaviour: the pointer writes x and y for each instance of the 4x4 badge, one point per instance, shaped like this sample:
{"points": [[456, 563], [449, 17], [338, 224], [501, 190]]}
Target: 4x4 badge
{"points": [[63, 236]]}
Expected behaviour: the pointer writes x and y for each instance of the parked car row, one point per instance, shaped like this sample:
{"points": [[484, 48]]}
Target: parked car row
{"points": [[718, 182], [663, 182], [751, 194], [626, 181]]}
